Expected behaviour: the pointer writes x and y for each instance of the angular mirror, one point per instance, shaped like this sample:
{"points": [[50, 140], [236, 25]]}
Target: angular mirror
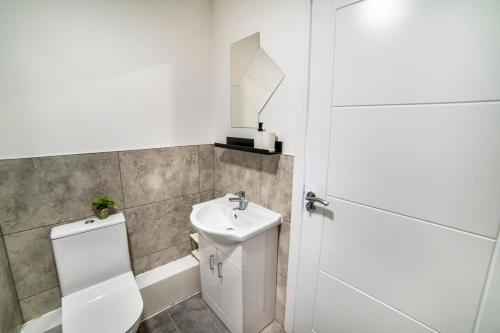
{"points": [[254, 79]]}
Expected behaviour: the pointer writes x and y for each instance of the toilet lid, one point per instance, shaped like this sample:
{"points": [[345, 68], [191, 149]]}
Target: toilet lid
{"points": [[112, 306]]}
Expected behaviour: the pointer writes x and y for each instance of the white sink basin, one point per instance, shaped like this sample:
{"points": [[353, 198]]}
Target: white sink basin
{"points": [[219, 221]]}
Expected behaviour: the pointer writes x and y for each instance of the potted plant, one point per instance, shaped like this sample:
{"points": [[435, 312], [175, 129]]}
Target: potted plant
{"points": [[103, 205]]}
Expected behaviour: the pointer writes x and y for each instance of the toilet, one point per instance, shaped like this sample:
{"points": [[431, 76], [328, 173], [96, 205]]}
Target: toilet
{"points": [[99, 292]]}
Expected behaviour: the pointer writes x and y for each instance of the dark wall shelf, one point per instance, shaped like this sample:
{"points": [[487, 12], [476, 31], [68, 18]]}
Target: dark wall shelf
{"points": [[244, 144]]}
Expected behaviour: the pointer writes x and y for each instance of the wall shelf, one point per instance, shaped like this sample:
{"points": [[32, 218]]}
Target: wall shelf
{"points": [[244, 144]]}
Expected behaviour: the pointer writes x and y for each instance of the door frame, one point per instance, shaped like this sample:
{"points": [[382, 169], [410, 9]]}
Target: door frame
{"points": [[298, 185], [317, 107]]}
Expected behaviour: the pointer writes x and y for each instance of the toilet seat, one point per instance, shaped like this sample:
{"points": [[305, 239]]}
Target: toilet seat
{"points": [[112, 306]]}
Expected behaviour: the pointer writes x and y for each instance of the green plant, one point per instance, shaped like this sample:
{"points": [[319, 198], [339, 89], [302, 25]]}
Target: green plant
{"points": [[103, 202], [103, 205]]}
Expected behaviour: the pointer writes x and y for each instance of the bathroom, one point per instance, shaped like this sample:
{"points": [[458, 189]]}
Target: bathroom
{"points": [[250, 166]]}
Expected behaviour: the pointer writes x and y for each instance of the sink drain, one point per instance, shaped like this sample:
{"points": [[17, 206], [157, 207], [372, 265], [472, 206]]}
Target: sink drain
{"points": [[229, 228]]}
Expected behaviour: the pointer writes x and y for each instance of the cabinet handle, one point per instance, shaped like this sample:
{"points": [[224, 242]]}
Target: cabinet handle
{"points": [[211, 262], [219, 270]]}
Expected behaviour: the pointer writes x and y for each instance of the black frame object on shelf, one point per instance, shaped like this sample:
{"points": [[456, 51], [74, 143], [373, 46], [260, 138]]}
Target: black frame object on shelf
{"points": [[244, 144]]}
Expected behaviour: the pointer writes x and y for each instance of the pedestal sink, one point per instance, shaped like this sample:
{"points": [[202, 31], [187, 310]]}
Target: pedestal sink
{"points": [[238, 259], [219, 221]]}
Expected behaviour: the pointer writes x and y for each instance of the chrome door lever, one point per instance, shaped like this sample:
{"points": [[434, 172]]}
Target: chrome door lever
{"points": [[312, 199]]}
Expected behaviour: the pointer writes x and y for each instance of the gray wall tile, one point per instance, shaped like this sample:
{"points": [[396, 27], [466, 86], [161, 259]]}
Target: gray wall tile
{"points": [[36, 192], [10, 314], [280, 299], [32, 262], [162, 257], [160, 225], [207, 196], [40, 304], [277, 178], [238, 171], [283, 245], [159, 174], [206, 163]]}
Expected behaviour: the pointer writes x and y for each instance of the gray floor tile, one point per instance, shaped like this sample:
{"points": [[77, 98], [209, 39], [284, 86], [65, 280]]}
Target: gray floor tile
{"points": [[194, 316], [273, 327], [160, 323]]}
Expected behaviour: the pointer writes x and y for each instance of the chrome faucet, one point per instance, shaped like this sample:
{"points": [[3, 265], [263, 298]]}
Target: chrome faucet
{"points": [[241, 199]]}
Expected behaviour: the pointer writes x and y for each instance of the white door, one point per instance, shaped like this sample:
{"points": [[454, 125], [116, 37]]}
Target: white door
{"points": [[403, 140]]}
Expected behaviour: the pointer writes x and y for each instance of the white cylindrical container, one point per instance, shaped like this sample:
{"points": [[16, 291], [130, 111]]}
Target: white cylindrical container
{"points": [[258, 140], [269, 141]]}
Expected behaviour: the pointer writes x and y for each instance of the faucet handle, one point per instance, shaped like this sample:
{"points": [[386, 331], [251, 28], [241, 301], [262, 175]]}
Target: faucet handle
{"points": [[241, 199]]}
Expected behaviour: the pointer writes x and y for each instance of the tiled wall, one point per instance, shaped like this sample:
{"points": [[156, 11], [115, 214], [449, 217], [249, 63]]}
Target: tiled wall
{"points": [[155, 188], [10, 314], [266, 180]]}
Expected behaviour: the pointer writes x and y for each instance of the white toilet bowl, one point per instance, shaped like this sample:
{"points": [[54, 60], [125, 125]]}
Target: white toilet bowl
{"points": [[100, 294], [112, 306]]}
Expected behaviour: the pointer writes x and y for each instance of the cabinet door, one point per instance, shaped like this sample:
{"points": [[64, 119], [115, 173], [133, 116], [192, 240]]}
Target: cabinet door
{"points": [[230, 292], [208, 271]]}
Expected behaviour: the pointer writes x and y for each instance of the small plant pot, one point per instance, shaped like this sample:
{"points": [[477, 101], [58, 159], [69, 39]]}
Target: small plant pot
{"points": [[102, 213]]}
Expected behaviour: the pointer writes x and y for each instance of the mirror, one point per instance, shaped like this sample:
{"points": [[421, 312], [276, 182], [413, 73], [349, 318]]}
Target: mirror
{"points": [[254, 79]]}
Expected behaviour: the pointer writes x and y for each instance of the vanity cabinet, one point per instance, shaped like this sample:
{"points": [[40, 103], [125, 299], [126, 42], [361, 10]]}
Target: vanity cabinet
{"points": [[239, 282], [208, 270]]}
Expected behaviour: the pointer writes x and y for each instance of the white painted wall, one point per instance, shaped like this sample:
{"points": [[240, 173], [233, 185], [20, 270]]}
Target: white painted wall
{"points": [[89, 76], [283, 32], [93, 76]]}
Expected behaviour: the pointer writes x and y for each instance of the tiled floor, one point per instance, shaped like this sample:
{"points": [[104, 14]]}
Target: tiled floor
{"points": [[273, 327], [191, 316]]}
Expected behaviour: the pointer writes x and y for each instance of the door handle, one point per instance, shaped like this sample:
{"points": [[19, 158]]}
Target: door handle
{"points": [[219, 270], [312, 199], [211, 262]]}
